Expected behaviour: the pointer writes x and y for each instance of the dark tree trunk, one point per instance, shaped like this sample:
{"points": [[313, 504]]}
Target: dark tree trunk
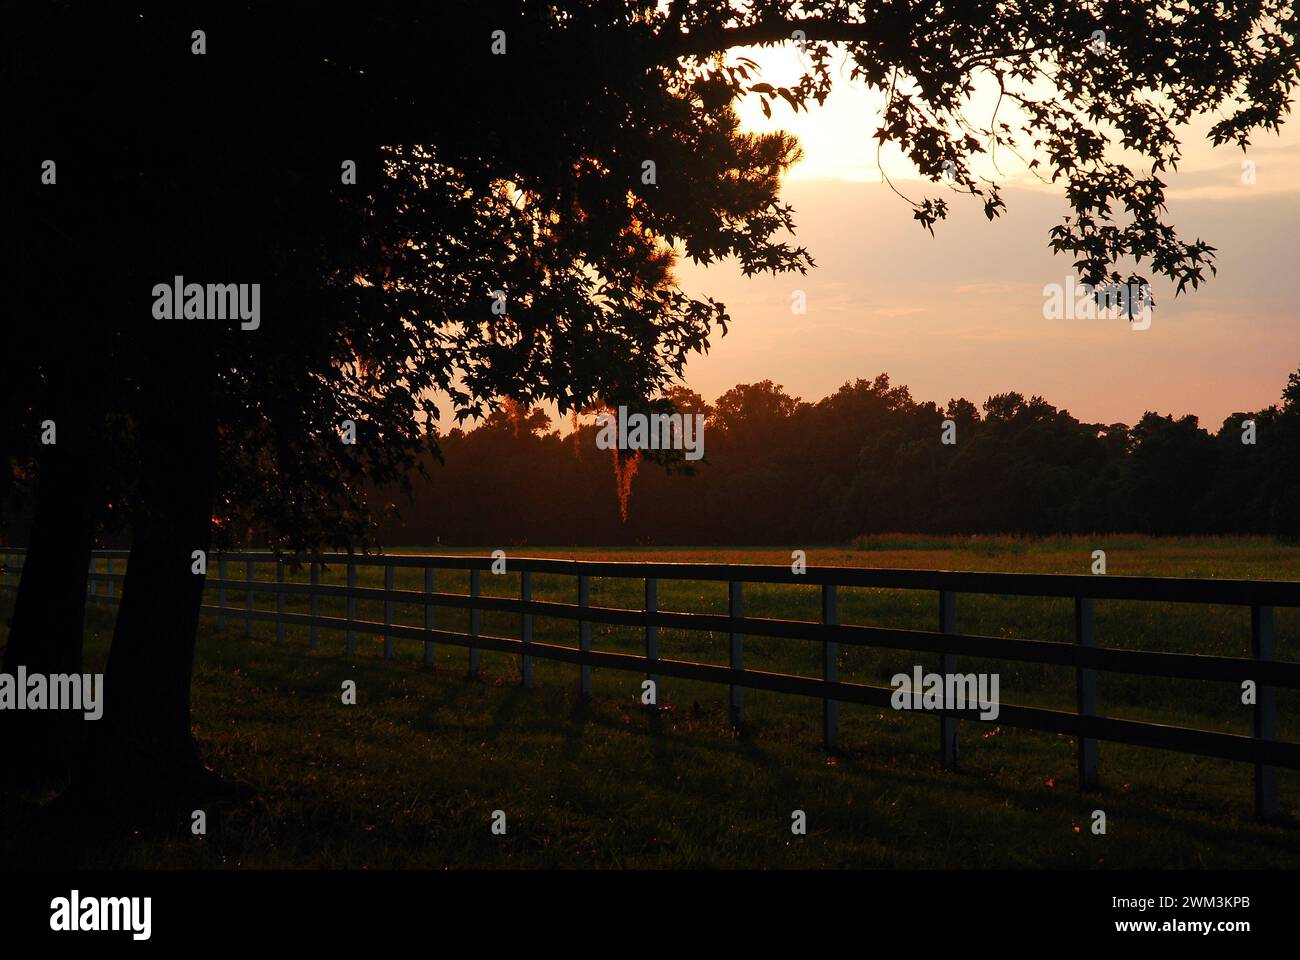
{"points": [[45, 632], [144, 749]]}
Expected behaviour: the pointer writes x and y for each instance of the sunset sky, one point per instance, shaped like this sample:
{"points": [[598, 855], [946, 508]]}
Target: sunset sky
{"points": [[960, 313]]}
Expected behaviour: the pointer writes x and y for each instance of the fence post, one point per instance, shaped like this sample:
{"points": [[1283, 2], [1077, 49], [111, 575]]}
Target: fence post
{"points": [[314, 604], [251, 571], [221, 591], [1261, 648], [652, 636], [736, 660], [526, 628], [1085, 635], [91, 578], [352, 605], [584, 636], [948, 665], [428, 616], [475, 618], [830, 669], [388, 610], [279, 601]]}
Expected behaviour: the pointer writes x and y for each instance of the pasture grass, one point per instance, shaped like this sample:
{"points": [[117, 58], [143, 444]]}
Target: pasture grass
{"points": [[411, 775]]}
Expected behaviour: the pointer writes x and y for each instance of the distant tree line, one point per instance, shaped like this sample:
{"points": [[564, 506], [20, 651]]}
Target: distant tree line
{"points": [[867, 459]]}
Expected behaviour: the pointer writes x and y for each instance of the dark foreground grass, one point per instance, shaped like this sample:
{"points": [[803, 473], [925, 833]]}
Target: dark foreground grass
{"points": [[411, 775]]}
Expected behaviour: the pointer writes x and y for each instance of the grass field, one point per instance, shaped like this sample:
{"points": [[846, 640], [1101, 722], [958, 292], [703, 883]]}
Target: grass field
{"points": [[410, 775]]}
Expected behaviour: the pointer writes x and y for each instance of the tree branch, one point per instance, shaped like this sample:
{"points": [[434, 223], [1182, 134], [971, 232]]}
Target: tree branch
{"points": [[706, 41]]}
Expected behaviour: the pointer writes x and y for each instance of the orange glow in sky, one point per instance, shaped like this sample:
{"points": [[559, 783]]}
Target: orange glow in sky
{"points": [[960, 314]]}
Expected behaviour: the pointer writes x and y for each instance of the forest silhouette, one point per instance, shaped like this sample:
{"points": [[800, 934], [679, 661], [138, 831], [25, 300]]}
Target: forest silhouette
{"points": [[866, 459]]}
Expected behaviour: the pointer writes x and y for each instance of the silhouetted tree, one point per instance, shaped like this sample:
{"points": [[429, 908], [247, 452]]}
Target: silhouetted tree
{"points": [[529, 178]]}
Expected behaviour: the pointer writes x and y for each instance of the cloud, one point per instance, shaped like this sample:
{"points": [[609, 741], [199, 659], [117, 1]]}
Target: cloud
{"points": [[991, 289], [898, 311]]}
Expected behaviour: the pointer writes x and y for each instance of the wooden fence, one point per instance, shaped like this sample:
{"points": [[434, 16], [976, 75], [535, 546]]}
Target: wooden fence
{"points": [[1263, 750]]}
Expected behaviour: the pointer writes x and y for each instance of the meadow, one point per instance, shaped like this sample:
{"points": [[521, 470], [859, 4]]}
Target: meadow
{"points": [[411, 775]]}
